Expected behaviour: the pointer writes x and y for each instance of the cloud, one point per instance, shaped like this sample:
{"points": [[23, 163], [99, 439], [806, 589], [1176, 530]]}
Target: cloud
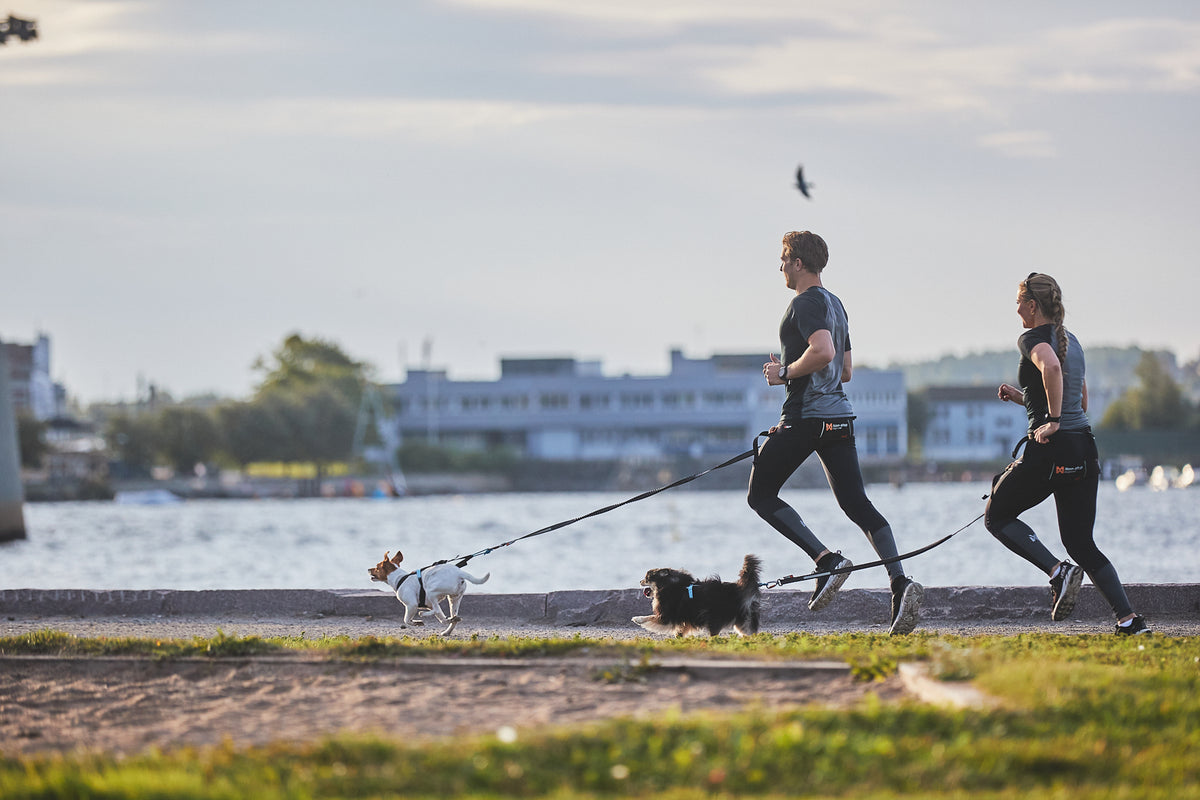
{"points": [[1152, 55], [1020, 144], [858, 59]]}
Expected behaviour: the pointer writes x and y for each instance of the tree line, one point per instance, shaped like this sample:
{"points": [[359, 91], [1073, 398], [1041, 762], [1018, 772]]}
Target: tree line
{"points": [[305, 408], [306, 405]]}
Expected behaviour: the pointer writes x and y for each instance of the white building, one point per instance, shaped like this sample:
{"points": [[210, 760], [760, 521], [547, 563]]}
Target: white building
{"points": [[33, 391], [564, 409], [970, 423]]}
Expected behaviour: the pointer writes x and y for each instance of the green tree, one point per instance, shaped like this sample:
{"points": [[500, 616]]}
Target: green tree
{"points": [[1157, 403], [255, 431], [31, 438], [132, 441], [304, 409], [322, 422], [186, 437], [301, 364], [919, 415]]}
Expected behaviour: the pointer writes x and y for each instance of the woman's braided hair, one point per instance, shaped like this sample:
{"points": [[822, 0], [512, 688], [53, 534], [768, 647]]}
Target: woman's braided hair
{"points": [[1043, 289]]}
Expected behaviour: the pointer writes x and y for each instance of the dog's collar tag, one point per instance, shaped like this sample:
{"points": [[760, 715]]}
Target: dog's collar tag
{"points": [[691, 586]]}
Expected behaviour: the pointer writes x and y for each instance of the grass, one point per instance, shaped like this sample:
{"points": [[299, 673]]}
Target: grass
{"points": [[1080, 716]]}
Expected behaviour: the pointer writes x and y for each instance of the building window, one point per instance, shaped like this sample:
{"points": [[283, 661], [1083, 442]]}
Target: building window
{"points": [[637, 400], [679, 400], [723, 398], [589, 402], [554, 402]]}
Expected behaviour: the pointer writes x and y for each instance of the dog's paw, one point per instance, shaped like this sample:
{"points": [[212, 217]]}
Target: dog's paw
{"points": [[641, 620], [417, 621]]}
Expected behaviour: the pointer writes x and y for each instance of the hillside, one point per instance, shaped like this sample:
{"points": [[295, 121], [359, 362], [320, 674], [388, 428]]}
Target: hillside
{"points": [[1110, 370]]}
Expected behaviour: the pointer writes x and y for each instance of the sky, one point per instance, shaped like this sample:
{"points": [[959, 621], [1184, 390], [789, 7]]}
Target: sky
{"points": [[446, 183]]}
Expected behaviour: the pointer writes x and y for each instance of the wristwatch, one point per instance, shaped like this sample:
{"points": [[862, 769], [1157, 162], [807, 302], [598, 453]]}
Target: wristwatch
{"points": [[1052, 419], [783, 372]]}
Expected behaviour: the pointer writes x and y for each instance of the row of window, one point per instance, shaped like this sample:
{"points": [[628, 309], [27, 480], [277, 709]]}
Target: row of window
{"points": [[946, 436], [873, 398], [874, 441], [561, 401]]}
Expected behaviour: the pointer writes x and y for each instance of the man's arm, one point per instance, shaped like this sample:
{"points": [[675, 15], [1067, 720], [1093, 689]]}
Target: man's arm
{"points": [[817, 355]]}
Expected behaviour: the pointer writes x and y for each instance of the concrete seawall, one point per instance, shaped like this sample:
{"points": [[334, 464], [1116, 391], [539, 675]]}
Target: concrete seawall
{"points": [[581, 608]]}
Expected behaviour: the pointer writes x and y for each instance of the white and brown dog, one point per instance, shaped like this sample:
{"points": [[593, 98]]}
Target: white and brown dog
{"points": [[425, 589], [682, 605]]}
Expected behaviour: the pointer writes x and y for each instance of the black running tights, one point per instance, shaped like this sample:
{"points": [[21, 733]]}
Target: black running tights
{"points": [[783, 453]]}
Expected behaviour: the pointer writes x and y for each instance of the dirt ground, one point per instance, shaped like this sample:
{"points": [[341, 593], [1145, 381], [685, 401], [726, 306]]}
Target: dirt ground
{"points": [[124, 706]]}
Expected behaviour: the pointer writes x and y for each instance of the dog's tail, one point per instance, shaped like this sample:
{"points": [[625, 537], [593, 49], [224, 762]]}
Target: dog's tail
{"points": [[750, 590], [748, 577], [473, 579]]}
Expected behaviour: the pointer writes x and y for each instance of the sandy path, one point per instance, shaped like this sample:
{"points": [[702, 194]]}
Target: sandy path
{"points": [[124, 706]]}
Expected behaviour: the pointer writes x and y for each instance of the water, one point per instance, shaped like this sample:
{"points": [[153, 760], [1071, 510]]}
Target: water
{"points": [[1151, 537]]}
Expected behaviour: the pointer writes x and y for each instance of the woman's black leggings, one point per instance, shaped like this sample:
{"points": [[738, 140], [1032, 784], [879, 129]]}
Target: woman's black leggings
{"points": [[1030, 480], [833, 442]]}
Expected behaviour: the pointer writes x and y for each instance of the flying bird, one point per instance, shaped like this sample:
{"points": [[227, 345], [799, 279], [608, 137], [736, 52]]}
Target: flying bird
{"points": [[800, 184]]}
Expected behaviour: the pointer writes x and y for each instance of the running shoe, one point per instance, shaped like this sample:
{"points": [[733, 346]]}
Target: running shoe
{"points": [[828, 585], [1064, 588], [906, 605], [1136, 626]]}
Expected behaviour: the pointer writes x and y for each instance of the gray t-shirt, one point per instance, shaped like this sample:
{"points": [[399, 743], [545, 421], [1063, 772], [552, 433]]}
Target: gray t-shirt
{"points": [[819, 395], [1073, 417]]}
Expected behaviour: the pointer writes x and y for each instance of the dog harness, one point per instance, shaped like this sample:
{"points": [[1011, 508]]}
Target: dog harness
{"points": [[421, 602]]}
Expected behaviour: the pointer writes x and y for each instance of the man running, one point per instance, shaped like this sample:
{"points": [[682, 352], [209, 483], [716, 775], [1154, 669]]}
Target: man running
{"points": [[817, 417]]}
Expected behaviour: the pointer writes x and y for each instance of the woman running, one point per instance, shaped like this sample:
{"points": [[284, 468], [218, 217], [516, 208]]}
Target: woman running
{"points": [[1060, 459]]}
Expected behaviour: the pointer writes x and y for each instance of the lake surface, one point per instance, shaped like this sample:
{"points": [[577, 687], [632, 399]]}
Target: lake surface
{"points": [[1151, 537]]}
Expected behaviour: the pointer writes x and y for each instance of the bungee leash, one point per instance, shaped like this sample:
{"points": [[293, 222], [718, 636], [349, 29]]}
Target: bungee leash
{"points": [[461, 561], [856, 567]]}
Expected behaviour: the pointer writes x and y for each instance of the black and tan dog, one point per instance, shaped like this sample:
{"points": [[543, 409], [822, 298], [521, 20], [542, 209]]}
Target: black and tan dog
{"points": [[683, 605]]}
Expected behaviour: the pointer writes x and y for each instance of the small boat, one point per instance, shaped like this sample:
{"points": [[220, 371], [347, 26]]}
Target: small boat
{"points": [[1161, 478], [147, 497], [1187, 477]]}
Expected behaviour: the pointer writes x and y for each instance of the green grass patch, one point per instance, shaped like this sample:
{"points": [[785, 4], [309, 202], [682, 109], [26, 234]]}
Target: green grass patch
{"points": [[1080, 716]]}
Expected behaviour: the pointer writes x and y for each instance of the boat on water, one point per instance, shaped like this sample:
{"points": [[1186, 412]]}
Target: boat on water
{"points": [[1126, 480], [147, 497], [1186, 478], [1160, 479], [1163, 478]]}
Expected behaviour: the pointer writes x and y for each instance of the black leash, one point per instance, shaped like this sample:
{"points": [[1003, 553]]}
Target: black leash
{"points": [[856, 567], [461, 561]]}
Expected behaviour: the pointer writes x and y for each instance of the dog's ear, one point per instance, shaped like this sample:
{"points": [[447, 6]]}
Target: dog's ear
{"points": [[386, 556], [396, 559], [677, 577]]}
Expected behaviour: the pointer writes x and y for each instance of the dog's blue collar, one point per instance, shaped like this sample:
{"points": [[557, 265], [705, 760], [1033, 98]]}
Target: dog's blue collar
{"points": [[691, 586]]}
